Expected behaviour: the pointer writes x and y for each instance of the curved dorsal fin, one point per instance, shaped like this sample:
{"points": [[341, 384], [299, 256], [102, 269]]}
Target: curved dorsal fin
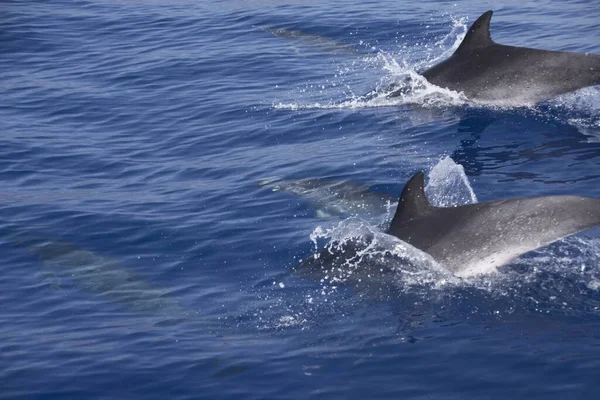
{"points": [[478, 35], [413, 201]]}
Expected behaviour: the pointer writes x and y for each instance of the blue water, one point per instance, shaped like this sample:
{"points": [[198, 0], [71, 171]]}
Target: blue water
{"points": [[142, 259]]}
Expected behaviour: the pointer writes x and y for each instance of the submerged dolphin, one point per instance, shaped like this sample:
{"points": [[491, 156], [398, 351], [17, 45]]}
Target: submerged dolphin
{"points": [[335, 198], [476, 238], [324, 43], [489, 72], [448, 186], [101, 275]]}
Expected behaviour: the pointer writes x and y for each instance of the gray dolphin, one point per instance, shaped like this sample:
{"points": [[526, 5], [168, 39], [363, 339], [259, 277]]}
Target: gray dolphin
{"points": [[101, 275], [333, 198], [489, 72], [476, 238], [321, 42]]}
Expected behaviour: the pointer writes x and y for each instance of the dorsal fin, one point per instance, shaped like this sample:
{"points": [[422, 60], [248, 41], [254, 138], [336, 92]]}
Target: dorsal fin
{"points": [[413, 201], [478, 35]]}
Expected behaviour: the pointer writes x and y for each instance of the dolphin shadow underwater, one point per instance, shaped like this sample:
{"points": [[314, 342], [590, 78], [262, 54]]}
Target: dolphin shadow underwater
{"points": [[488, 72], [477, 238]]}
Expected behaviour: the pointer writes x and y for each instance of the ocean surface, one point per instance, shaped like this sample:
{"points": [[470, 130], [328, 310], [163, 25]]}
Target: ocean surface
{"points": [[149, 252]]}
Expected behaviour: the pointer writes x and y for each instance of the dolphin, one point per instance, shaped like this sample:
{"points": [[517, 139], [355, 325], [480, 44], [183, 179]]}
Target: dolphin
{"points": [[468, 240], [332, 198], [488, 72], [101, 275], [477, 238], [321, 42]]}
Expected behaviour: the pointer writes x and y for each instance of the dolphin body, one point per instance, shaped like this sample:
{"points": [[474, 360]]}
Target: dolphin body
{"points": [[476, 238], [321, 42], [488, 72], [335, 198], [468, 240], [101, 275]]}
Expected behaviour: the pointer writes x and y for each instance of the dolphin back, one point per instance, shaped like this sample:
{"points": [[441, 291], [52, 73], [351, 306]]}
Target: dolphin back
{"points": [[488, 235], [494, 73], [477, 238]]}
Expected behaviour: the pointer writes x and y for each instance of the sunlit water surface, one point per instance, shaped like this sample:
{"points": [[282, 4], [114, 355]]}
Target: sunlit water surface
{"points": [[145, 255]]}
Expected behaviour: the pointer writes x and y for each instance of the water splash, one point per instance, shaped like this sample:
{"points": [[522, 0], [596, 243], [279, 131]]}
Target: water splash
{"points": [[457, 33], [400, 84], [356, 252], [580, 109], [448, 185]]}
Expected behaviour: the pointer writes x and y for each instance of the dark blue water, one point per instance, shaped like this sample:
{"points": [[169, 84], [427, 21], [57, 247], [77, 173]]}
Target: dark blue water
{"points": [[142, 259]]}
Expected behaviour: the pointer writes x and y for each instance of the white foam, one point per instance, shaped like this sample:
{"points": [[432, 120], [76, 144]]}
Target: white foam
{"points": [[378, 255], [416, 90]]}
